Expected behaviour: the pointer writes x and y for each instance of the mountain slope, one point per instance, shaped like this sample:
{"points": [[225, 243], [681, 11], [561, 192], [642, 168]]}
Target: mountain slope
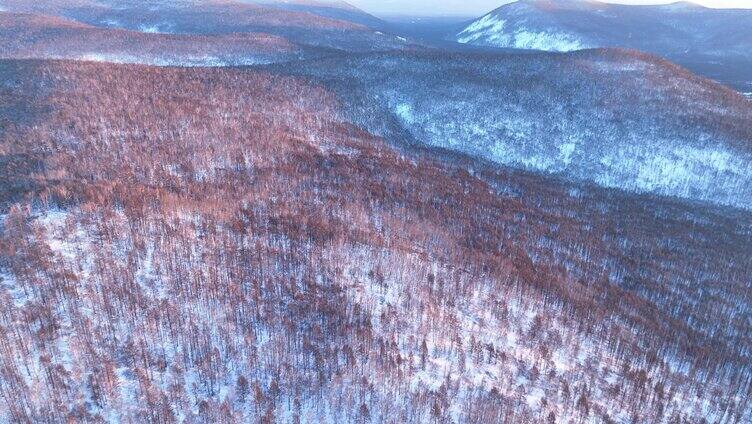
{"points": [[217, 18], [618, 118], [239, 252], [588, 24], [684, 32], [36, 36]]}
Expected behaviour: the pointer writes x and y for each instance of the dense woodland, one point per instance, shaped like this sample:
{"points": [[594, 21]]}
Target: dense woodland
{"points": [[362, 229], [218, 245]]}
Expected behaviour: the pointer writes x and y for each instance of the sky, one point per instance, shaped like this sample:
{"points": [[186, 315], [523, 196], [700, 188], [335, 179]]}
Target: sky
{"points": [[479, 7]]}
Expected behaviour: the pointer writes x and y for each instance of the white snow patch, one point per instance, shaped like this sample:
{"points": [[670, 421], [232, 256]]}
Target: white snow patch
{"points": [[405, 112], [533, 398], [566, 150], [502, 152], [112, 22], [188, 61], [492, 30], [489, 24], [561, 362], [619, 66], [680, 166], [152, 29], [9, 282], [54, 222], [69, 242]]}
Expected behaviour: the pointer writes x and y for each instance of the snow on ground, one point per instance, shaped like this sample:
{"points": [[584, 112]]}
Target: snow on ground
{"points": [[495, 31], [489, 24], [183, 61], [405, 112], [539, 40], [704, 169], [534, 398], [486, 23], [523, 373], [622, 66], [678, 171], [112, 23], [153, 29], [67, 243], [566, 150], [16, 294]]}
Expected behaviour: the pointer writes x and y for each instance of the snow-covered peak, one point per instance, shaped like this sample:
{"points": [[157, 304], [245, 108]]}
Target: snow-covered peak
{"points": [[564, 25]]}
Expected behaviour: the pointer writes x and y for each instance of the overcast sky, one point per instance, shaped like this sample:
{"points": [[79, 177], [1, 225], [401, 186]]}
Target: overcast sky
{"points": [[477, 7]]}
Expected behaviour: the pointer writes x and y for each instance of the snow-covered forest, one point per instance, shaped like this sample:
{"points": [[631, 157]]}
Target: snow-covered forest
{"points": [[614, 117], [362, 232]]}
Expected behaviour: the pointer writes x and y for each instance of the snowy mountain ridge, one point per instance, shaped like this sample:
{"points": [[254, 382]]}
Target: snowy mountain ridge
{"points": [[566, 25], [712, 42]]}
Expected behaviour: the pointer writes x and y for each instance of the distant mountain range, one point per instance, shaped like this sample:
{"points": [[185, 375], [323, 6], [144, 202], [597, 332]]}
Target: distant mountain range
{"points": [[38, 36], [715, 42], [327, 25], [565, 25]]}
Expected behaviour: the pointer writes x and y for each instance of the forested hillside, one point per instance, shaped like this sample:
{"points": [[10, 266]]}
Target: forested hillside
{"points": [[239, 252], [618, 118], [280, 212], [35, 36]]}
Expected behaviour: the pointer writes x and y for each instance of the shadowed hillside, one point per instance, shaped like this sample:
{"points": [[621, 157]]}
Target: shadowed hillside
{"points": [[618, 118]]}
